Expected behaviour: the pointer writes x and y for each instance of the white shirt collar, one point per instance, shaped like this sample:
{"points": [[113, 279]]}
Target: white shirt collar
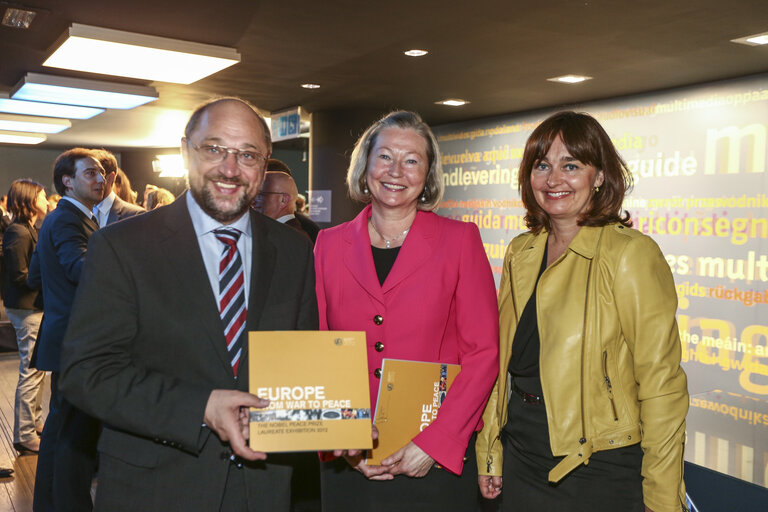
{"points": [[80, 206], [204, 223], [106, 204], [286, 218]]}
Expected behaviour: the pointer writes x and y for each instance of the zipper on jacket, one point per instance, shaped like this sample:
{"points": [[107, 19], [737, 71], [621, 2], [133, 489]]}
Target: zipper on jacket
{"points": [[608, 385], [583, 438], [489, 457], [682, 469], [512, 292]]}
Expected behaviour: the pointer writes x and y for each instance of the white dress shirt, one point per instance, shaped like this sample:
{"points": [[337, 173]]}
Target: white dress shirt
{"points": [[211, 248], [101, 210]]}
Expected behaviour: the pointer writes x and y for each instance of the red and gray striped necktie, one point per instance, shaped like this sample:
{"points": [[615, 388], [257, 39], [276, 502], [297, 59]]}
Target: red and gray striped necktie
{"points": [[232, 294]]}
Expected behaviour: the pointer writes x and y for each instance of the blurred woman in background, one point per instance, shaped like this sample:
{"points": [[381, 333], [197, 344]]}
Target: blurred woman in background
{"points": [[123, 187], [157, 198], [28, 204]]}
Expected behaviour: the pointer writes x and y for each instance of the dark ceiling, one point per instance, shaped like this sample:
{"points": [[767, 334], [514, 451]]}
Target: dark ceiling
{"points": [[496, 54]]}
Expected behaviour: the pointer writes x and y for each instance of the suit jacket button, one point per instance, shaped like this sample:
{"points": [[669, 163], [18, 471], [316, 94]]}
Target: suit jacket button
{"points": [[379, 346], [378, 319], [377, 373]]}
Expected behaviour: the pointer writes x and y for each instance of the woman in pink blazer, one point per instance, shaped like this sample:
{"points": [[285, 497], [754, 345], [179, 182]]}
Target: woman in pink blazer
{"points": [[421, 288]]}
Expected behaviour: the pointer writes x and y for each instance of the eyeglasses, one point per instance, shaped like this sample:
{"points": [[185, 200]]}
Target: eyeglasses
{"points": [[264, 193], [216, 153]]}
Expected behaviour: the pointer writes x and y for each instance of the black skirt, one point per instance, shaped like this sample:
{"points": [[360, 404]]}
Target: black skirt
{"points": [[611, 481], [344, 489]]}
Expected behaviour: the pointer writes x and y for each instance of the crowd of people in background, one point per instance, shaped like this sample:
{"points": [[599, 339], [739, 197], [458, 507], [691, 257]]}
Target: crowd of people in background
{"points": [[141, 318]]}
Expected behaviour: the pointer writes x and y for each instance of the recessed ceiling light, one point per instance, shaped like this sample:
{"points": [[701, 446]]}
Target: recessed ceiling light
{"points": [[19, 123], [753, 40], [21, 137], [570, 79], [76, 91], [453, 102], [35, 108], [118, 53], [416, 53], [18, 18], [311, 86]]}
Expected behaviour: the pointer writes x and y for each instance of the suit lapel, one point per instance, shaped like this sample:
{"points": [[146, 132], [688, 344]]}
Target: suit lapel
{"points": [[88, 222], [417, 249], [114, 212], [184, 263], [358, 257], [263, 257], [263, 260], [525, 267], [32, 233]]}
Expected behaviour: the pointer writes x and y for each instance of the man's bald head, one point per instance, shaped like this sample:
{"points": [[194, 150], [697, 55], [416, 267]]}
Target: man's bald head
{"points": [[278, 195]]}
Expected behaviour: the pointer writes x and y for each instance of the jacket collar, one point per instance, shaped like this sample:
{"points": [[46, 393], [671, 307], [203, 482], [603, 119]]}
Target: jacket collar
{"points": [[417, 249], [80, 210], [585, 243], [30, 229], [529, 257]]}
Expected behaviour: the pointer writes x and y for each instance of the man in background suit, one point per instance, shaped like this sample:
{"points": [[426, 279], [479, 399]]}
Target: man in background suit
{"points": [[151, 358], [75, 456], [277, 199], [64, 470], [307, 224], [112, 208]]}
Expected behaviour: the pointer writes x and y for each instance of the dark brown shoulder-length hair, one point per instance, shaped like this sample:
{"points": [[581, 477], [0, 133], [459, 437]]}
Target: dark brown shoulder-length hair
{"points": [[586, 141], [22, 197]]}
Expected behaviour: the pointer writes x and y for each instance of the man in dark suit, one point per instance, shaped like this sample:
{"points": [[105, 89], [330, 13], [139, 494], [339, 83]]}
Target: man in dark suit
{"points": [[277, 199], [74, 445], [307, 224], [63, 471], [112, 209], [155, 361]]}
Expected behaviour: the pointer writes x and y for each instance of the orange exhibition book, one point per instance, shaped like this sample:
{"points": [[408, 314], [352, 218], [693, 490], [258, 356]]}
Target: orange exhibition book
{"points": [[410, 395], [317, 384]]}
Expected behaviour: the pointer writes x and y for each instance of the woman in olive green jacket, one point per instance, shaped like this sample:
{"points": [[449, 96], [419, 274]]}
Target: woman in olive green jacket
{"points": [[588, 412]]}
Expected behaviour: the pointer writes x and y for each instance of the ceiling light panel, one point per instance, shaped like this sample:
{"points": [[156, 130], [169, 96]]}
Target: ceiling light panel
{"points": [[35, 108], [21, 137], [569, 79], [753, 40], [114, 52], [416, 53], [86, 93], [19, 123], [453, 102]]}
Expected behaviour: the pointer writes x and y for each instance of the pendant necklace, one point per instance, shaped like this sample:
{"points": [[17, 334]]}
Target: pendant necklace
{"points": [[388, 243]]}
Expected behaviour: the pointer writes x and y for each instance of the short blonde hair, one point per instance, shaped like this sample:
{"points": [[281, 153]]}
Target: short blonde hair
{"points": [[357, 172]]}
